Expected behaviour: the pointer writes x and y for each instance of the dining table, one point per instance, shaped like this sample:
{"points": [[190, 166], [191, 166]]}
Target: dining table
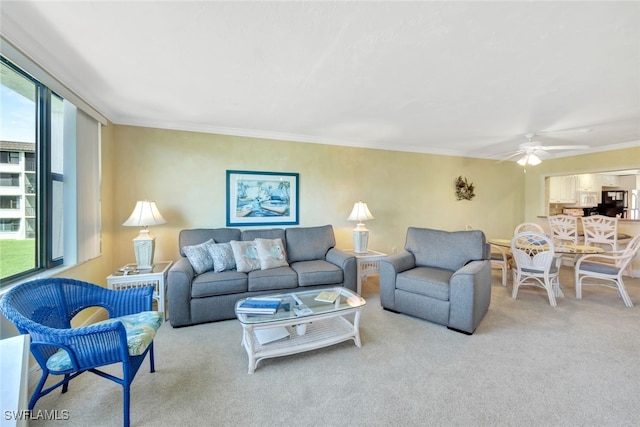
{"points": [[560, 248]]}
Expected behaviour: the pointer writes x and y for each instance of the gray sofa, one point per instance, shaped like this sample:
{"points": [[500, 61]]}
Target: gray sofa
{"points": [[313, 262], [441, 276]]}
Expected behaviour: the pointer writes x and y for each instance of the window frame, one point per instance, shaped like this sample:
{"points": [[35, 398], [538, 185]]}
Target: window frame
{"points": [[44, 239]]}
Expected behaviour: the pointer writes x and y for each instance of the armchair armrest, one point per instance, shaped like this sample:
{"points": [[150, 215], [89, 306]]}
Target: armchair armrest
{"points": [[87, 346], [390, 266], [179, 281], [470, 295], [347, 262]]}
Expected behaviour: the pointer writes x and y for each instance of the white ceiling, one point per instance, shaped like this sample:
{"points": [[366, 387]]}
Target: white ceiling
{"points": [[458, 78]]}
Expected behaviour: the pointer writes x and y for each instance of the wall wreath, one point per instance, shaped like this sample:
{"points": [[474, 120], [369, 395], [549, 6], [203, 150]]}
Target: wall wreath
{"points": [[464, 189]]}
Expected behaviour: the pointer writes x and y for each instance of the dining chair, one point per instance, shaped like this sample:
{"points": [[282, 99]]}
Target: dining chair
{"points": [[44, 309], [600, 230], [609, 268], [564, 229], [534, 264], [528, 226]]}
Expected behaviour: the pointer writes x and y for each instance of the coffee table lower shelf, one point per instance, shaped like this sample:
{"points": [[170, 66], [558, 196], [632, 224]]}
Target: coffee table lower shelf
{"points": [[320, 332]]}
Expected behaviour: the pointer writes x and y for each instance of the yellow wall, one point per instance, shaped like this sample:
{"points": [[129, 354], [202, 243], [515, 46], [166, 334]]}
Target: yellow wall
{"points": [[185, 173]]}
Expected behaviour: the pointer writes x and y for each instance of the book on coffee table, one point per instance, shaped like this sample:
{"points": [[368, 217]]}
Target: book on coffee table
{"points": [[327, 296], [259, 306], [265, 336]]}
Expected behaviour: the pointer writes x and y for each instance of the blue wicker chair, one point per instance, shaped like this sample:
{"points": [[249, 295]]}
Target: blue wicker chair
{"points": [[44, 309]]}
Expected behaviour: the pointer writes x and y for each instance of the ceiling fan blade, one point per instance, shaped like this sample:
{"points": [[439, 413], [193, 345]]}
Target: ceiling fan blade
{"points": [[511, 156], [542, 153], [565, 147]]}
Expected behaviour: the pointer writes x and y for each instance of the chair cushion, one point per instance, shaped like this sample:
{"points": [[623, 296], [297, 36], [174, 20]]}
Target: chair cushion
{"points": [[427, 281], [309, 243], [596, 267], [140, 327]]}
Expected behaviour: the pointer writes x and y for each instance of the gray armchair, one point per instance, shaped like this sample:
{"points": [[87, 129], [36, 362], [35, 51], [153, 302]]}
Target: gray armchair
{"points": [[441, 276]]}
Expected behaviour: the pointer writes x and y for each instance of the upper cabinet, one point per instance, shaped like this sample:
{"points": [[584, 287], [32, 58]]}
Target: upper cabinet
{"points": [[562, 189], [588, 182], [609, 180]]}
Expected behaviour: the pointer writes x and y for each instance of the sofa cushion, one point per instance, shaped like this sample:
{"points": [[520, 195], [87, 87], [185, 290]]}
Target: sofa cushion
{"points": [[449, 250], [222, 256], [317, 272], [309, 243], [246, 256], [427, 281], [199, 256], [273, 279], [212, 283], [200, 235], [271, 253]]}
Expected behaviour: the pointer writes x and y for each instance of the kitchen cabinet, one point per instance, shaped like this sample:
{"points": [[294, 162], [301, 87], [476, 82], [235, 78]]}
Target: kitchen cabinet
{"points": [[562, 189], [609, 180], [588, 182]]}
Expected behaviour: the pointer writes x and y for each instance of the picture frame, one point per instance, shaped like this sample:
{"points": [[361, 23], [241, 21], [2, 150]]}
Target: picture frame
{"points": [[262, 198]]}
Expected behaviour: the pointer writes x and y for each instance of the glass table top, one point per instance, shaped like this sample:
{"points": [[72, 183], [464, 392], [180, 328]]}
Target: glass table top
{"points": [[291, 302]]}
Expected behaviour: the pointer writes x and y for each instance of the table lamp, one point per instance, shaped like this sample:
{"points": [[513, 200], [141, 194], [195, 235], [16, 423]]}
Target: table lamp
{"points": [[360, 213], [144, 214]]}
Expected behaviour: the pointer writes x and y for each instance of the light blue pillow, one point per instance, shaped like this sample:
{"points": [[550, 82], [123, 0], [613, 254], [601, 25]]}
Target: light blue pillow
{"points": [[199, 256], [222, 256]]}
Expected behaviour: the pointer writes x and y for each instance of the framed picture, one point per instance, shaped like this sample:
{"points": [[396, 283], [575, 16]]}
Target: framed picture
{"points": [[262, 198]]}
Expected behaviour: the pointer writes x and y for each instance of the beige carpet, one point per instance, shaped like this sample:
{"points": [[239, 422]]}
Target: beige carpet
{"points": [[528, 364]]}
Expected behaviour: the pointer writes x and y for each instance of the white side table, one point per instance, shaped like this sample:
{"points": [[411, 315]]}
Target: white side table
{"points": [[368, 263], [128, 277]]}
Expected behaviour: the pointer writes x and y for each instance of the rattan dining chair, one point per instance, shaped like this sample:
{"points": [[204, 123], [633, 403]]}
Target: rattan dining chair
{"points": [[564, 229], [535, 264], [600, 230], [608, 269], [45, 308]]}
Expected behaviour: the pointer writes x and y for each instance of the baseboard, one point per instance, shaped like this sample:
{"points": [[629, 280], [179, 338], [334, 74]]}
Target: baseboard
{"points": [[35, 372]]}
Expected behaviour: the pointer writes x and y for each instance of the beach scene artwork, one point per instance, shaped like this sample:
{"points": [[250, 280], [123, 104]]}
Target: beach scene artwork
{"points": [[262, 198]]}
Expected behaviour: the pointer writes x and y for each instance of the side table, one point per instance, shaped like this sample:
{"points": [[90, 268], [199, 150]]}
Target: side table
{"points": [[368, 263], [129, 277]]}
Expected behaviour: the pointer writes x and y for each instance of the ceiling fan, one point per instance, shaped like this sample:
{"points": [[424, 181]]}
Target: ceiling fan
{"points": [[532, 152]]}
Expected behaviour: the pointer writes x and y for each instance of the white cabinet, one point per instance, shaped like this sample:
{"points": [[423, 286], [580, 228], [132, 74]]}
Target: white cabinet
{"points": [[588, 182], [609, 180], [562, 189]]}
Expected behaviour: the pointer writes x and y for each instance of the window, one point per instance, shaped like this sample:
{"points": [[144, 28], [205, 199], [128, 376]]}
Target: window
{"points": [[10, 202], [10, 157], [9, 179], [52, 136], [9, 224]]}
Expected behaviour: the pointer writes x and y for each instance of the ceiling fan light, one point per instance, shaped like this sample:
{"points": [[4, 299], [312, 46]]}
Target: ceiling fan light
{"points": [[534, 160], [523, 160]]}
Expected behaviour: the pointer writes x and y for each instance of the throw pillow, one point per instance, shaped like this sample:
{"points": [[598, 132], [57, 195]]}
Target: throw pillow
{"points": [[271, 253], [223, 258], [199, 256], [246, 255]]}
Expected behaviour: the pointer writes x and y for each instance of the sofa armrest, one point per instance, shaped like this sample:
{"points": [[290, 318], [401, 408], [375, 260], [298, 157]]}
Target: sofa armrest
{"points": [[348, 264], [390, 267], [469, 295], [179, 281]]}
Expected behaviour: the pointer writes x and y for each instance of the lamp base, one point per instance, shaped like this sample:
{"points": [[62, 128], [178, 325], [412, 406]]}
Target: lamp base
{"points": [[144, 246], [360, 239]]}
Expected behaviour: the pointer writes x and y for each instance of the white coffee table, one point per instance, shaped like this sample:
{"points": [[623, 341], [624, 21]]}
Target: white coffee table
{"points": [[327, 325]]}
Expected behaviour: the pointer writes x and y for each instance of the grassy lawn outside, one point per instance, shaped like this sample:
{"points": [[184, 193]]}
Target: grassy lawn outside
{"points": [[16, 256]]}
